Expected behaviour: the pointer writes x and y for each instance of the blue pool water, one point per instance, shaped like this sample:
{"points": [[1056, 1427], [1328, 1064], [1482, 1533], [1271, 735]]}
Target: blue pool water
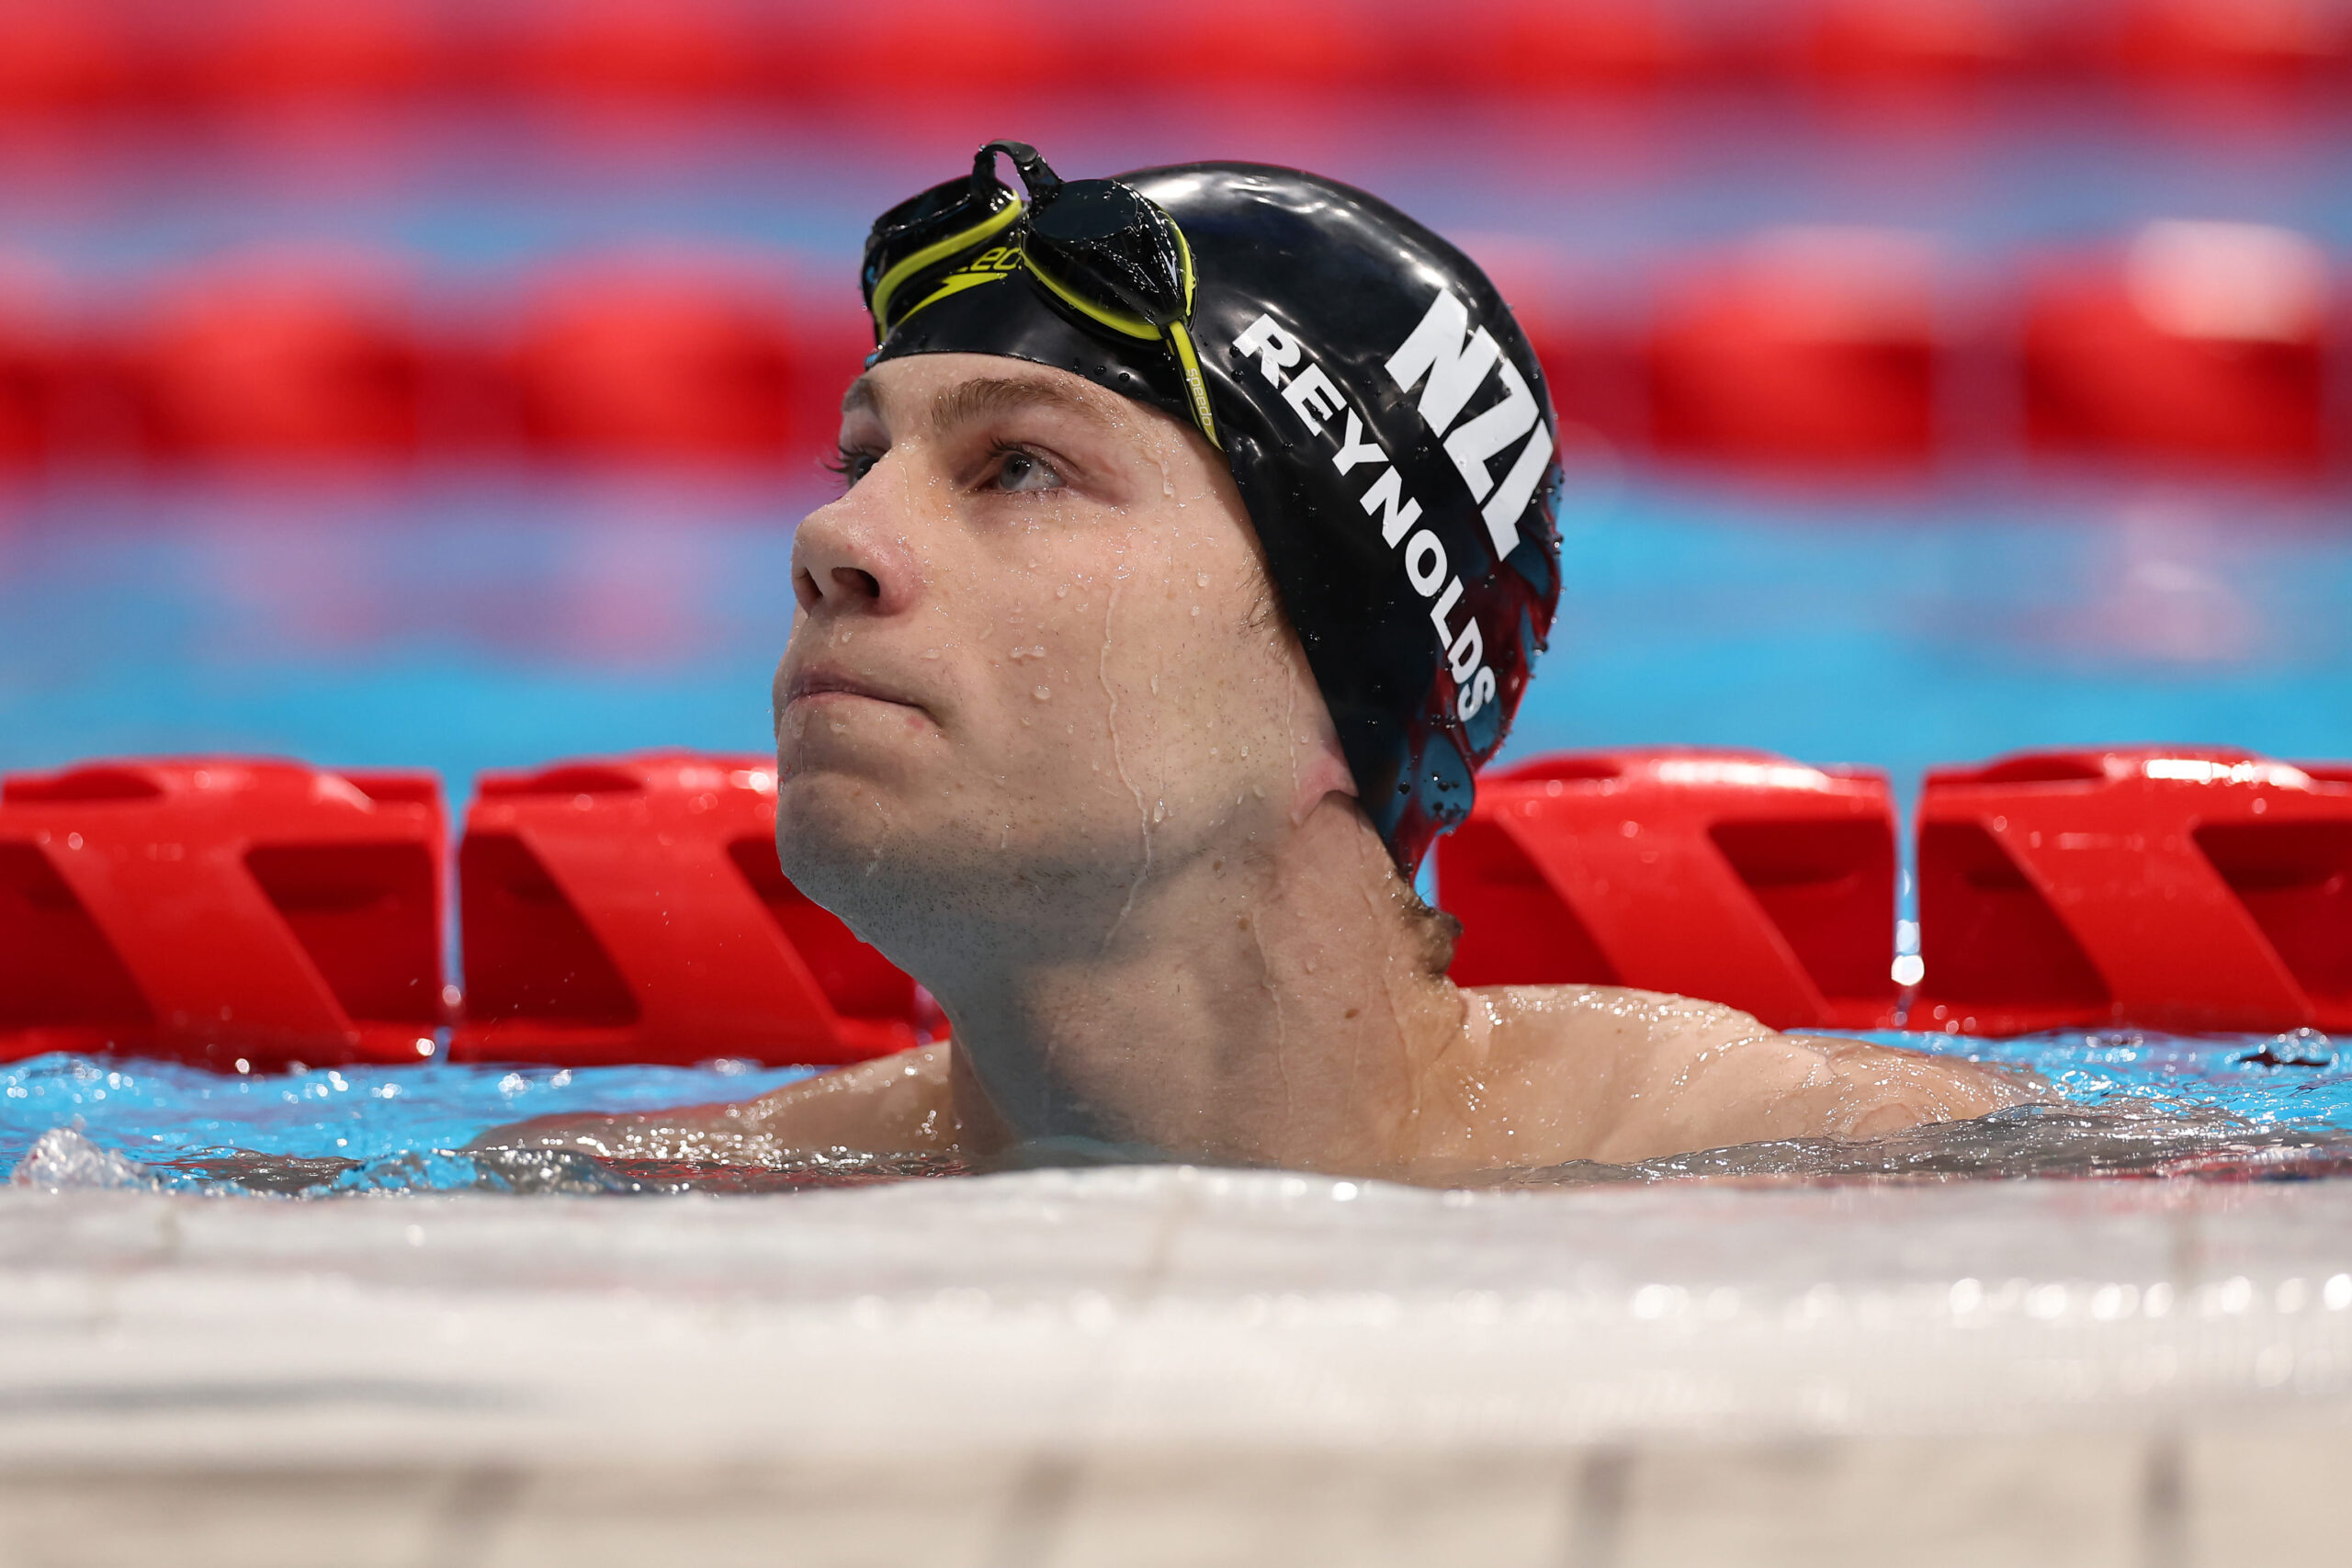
{"points": [[472, 622], [392, 1122], [2239, 1105]]}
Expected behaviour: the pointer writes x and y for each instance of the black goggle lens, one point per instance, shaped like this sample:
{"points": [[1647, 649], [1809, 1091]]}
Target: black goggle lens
{"points": [[945, 209], [1105, 238], [1110, 252]]}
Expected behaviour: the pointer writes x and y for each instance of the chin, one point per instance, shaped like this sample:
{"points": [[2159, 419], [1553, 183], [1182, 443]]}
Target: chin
{"points": [[850, 843], [822, 816]]}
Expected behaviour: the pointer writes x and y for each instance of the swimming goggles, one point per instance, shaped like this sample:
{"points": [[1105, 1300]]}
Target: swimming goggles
{"points": [[1105, 250]]}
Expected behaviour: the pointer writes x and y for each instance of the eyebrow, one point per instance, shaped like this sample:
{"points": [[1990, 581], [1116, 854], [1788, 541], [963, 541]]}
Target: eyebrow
{"points": [[968, 401]]}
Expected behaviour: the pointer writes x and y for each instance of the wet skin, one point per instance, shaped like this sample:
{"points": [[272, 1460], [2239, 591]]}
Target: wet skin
{"points": [[1044, 739]]}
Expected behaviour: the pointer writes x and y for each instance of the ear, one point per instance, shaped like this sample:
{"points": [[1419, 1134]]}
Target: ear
{"points": [[1317, 762]]}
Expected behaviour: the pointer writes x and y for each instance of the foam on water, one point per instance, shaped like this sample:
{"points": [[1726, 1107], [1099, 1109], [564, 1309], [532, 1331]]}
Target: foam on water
{"points": [[2125, 1103]]}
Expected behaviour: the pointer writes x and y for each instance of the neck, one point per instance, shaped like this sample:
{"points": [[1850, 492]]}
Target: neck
{"points": [[1253, 1008]]}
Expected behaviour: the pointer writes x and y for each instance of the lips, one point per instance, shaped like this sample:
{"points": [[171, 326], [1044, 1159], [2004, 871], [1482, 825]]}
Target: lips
{"points": [[823, 682]]}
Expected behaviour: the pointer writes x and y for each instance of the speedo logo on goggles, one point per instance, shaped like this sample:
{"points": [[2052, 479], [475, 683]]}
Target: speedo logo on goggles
{"points": [[1114, 257]]}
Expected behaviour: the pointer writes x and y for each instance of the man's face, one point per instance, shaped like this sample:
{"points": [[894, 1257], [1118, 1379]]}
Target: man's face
{"points": [[1036, 658]]}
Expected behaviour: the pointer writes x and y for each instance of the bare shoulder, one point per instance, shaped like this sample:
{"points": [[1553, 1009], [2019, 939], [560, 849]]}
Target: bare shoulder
{"points": [[893, 1105], [1631, 1074], [900, 1104]]}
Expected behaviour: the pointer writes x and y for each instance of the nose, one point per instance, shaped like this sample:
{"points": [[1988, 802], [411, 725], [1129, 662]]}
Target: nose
{"points": [[847, 561]]}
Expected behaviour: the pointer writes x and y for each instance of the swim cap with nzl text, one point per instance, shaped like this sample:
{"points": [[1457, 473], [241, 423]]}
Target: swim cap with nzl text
{"points": [[1385, 419]]}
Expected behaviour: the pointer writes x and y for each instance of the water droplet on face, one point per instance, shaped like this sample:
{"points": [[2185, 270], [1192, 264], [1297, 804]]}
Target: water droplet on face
{"points": [[1063, 591], [931, 653], [1201, 578], [1196, 612], [1042, 694]]}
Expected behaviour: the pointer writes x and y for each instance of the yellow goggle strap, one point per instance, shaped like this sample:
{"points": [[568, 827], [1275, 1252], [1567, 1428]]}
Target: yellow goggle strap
{"points": [[1117, 321], [890, 282], [1179, 338]]}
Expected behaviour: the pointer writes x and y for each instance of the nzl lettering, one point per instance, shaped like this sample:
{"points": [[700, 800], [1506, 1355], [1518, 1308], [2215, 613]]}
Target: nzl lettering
{"points": [[1450, 363]]}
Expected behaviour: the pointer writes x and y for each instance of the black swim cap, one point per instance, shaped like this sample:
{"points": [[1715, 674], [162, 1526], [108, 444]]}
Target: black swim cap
{"points": [[1382, 412]]}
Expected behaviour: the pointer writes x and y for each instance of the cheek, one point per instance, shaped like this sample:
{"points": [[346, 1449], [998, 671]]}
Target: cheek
{"points": [[1202, 688], [1119, 661], [1043, 652]]}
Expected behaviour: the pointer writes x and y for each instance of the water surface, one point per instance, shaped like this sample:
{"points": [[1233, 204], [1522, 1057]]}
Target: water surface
{"points": [[2124, 1103]]}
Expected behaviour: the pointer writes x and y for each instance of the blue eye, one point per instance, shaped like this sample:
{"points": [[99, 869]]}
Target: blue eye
{"points": [[1020, 471]]}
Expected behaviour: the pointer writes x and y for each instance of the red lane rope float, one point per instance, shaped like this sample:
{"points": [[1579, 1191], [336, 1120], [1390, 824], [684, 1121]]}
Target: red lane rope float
{"points": [[33, 358], [1818, 347], [220, 911], [633, 910], [284, 357], [1805, 350], [2205, 342], [1737, 876], [682, 359], [2184, 888]]}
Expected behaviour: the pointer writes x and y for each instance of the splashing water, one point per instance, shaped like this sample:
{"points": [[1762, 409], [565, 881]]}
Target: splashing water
{"points": [[2128, 1104]]}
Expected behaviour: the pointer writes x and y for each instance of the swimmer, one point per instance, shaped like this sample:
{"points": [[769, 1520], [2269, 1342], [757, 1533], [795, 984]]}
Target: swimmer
{"points": [[1196, 537]]}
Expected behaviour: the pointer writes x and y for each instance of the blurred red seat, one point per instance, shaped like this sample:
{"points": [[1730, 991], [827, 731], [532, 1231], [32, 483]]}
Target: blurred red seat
{"points": [[950, 61], [1534, 46], [261, 50], [1736, 876], [1295, 49], [2205, 342], [2245, 41], [222, 910], [625, 50], [2182, 888], [681, 361], [71, 54], [633, 910], [1910, 43], [1809, 347], [284, 357]]}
